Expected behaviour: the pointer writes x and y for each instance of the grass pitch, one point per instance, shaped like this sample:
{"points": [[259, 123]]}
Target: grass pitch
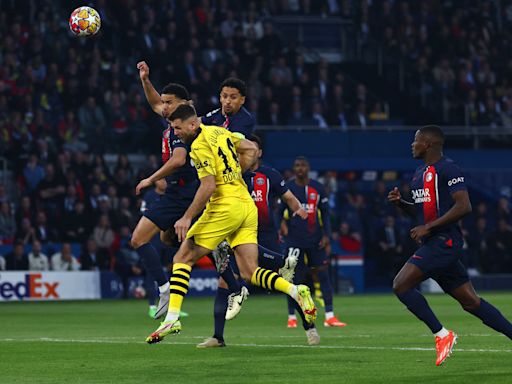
{"points": [[103, 342]]}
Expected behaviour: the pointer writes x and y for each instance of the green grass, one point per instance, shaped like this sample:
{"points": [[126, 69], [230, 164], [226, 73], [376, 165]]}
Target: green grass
{"points": [[102, 342]]}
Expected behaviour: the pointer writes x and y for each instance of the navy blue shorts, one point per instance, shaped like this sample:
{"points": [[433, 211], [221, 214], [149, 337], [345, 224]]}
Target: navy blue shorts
{"points": [[267, 241], [312, 257], [439, 259], [171, 206]]}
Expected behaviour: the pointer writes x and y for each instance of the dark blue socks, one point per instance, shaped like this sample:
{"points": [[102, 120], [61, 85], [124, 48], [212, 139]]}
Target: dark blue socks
{"points": [[417, 304], [219, 312], [493, 318], [326, 288]]}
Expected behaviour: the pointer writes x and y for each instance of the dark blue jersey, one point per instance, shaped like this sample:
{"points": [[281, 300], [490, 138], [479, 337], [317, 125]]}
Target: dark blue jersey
{"points": [[307, 233], [186, 173], [266, 185], [242, 121], [431, 190]]}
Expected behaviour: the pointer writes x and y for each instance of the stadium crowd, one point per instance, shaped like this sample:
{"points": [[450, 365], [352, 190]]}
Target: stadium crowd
{"points": [[64, 102]]}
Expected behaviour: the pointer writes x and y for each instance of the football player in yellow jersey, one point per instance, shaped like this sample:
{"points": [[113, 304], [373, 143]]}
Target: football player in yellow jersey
{"points": [[219, 156]]}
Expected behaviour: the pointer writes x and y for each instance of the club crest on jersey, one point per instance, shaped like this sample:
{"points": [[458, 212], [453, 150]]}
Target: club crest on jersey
{"points": [[421, 195], [428, 177], [312, 195], [260, 181]]}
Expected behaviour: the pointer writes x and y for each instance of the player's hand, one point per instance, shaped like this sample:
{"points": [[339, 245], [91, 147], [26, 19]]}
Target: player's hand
{"points": [[301, 212], [143, 70], [417, 233], [283, 230], [394, 196], [181, 227], [142, 184], [324, 242]]}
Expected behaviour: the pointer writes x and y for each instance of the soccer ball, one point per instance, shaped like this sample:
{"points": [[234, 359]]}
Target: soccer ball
{"points": [[139, 292], [85, 21]]}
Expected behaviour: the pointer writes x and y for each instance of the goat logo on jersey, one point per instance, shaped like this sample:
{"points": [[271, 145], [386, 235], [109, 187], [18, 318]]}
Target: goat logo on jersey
{"points": [[455, 180]]}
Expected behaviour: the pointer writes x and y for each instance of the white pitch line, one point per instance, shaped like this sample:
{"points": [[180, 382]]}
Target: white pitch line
{"points": [[341, 347]]}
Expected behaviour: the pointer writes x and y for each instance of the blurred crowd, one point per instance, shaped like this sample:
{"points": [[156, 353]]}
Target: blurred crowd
{"points": [[65, 101]]}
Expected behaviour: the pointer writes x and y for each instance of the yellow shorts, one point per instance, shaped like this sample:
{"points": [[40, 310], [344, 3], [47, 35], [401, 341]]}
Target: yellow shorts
{"points": [[234, 220]]}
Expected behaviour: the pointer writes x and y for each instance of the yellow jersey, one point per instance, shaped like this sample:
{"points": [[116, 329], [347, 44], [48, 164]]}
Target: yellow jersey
{"points": [[214, 153]]}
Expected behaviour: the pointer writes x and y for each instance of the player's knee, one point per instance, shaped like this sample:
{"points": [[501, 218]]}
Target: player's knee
{"points": [[470, 304], [398, 287], [137, 241], [246, 276]]}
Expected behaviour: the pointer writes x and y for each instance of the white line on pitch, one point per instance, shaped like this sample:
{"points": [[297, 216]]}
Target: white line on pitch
{"points": [[374, 348]]}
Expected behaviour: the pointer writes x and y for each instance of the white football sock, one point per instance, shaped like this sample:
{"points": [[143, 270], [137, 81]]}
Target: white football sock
{"points": [[328, 315], [442, 333]]}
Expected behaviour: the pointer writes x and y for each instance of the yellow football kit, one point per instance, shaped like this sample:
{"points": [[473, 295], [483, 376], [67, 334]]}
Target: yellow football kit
{"points": [[231, 213]]}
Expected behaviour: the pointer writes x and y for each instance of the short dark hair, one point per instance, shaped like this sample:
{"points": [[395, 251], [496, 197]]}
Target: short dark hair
{"points": [[183, 112], [177, 90], [433, 130], [256, 139], [301, 158], [233, 82]]}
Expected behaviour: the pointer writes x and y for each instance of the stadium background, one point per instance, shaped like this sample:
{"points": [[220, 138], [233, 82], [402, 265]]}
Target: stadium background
{"points": [[341, 82]]}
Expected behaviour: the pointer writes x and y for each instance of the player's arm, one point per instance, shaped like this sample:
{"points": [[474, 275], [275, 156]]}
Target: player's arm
{"points": [[395, 197], [460, 208], [294, 204], [152, 95], [203, 194], [247, 154], [177, 160]]}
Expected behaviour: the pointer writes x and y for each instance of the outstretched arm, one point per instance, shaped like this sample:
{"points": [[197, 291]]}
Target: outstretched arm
{"points": [[152, 95], [247, 153], [177, 160], [294, 204]]}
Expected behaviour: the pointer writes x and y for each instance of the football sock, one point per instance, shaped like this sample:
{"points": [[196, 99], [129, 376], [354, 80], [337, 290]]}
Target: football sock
{"points": [[326, 288], [442, 333], [416, 303], [152, 263], [179, 287], [291, 306], [269, 259], [151, 291], [493, 318], [318, 288], [272, 281], [328, 315], [219, 312], [230, 279]]}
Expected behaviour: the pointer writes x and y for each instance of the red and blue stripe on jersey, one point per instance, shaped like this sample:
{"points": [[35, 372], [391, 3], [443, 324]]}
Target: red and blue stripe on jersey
{"points": [[431, 189], [186, 173], [307, 233]]}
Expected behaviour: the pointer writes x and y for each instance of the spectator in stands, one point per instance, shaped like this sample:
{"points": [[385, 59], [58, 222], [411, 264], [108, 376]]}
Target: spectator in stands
{"points": [[103, 234], [33, 173], [349, 240], [26, 233], [128, 263], [51, 191], [43, 231], [390, 246], [92, 123], [7, 223], [477, 241], [499, 243], [503, 210], [93, 259], [76, 225], [64, 260], [37, 260], [17, 259]]}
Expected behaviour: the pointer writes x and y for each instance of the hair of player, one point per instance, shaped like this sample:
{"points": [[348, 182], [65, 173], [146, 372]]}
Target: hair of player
{"points": [[177, 90], [302, 158], [233, 82], [183, 112], [256, 139], [433, 130]]}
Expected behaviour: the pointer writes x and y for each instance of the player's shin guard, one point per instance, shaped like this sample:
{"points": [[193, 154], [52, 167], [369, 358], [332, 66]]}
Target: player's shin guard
{"points": [[179, 288], [271, 281], [326, 288], [269, 259], [152, 263], [492, 317], [417, 304]]}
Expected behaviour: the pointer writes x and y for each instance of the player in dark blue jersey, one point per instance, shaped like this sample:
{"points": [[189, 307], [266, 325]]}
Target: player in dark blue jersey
{"points": [[309, 238], [439, 200], [232, 114], [182, 183]]}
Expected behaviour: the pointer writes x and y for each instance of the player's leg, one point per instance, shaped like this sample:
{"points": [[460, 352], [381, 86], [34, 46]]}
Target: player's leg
{"points": [[141, 242], [469, 300], [185, 258], [295, 253], [319, 261], [219, 315]]}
